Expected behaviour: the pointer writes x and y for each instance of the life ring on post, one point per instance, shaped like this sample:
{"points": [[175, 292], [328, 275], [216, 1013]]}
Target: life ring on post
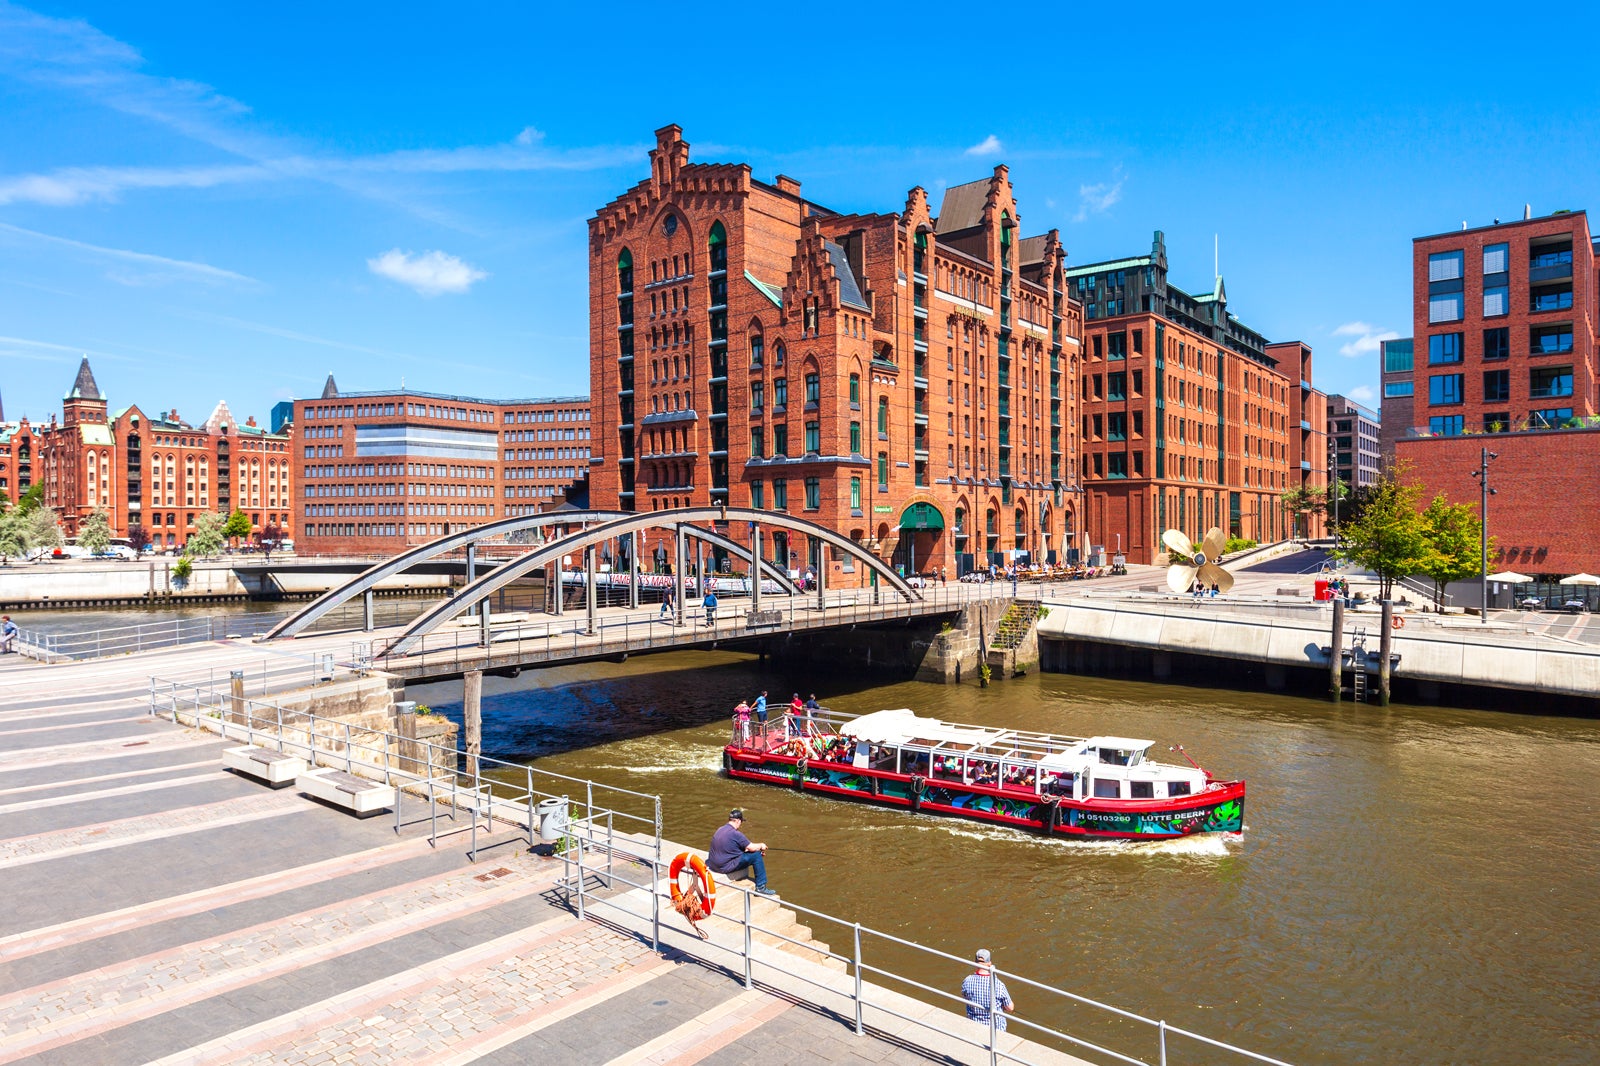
{"points": [[1397, 622], [707, 885]]}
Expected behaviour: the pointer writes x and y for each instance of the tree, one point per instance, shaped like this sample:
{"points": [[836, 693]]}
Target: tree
{"points": [[270, 538], [13, 535], [138, 538], [1390, 538], [43, 529], [207, 538], [1454, 534], [238, 526], [1311, 500], [95, 533]]}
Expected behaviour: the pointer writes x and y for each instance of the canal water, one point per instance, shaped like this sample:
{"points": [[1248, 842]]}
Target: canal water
{"points": [[1415, 884]]}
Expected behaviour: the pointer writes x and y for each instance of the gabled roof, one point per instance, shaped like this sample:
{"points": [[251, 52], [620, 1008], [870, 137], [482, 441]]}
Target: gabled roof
{"points": [[849, 291], [84, 387], [221, 418], [330, 390], [1031, 249], [962, 206], [771, 292]]}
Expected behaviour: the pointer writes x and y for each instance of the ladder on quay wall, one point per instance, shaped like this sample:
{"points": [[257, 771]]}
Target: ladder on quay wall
{"points": [[1358, 662]]}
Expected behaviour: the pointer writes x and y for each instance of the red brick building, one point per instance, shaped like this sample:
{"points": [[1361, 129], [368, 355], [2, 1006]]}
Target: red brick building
{"points": [[904, 378], [1543, 515], [157, 472], [1505, 319], [1190, 418], [383, 471]]}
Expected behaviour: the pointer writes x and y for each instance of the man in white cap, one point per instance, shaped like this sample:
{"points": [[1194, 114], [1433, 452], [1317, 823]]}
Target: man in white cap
{"points": [[983, 992]]}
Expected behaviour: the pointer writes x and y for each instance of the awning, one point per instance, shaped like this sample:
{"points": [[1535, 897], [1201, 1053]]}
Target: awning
{"points": [[921, 516]]}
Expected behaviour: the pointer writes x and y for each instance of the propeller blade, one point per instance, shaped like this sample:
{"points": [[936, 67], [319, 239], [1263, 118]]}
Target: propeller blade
{"points": [[1180, 578], [1212, 574], [1177, 543], [1214, 543], [1163, 559]]}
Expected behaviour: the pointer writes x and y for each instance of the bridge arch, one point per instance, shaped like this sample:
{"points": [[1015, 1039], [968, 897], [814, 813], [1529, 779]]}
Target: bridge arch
{"points": [[478, 591], [369, 579]]}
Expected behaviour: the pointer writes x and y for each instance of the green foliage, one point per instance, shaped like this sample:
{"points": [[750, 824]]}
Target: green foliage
{"points": [[984, 672], [1390, 537], [13, 535], [33, 499], [238, 525], [43, 529], [1238, 544], [182, 568], [207, 538], [1454, 534], [95, 533], [423, 708]]}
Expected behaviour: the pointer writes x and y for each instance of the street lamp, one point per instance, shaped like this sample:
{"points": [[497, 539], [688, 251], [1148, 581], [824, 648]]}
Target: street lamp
{"points": [[1482, 474], [1333, 485]]}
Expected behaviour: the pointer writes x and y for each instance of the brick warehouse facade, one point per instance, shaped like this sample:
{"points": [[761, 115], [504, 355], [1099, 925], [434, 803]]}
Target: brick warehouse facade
{"points": [[1190, 418], [154, 471], [906, 379], [1542, 514], [384, 471]]}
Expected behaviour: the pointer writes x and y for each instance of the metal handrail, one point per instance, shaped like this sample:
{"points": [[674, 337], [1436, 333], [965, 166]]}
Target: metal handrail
{"points": [[577, 868]]}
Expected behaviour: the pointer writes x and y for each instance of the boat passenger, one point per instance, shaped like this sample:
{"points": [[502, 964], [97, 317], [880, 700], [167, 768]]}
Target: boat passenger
{"points": [[741, 721]]}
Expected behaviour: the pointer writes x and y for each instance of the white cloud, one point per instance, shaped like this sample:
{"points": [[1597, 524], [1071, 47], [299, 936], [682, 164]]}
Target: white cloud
{"points": [[1367, 338], [1100, 197], [529, 136], [430, 273], [990, 145], [153, 268], [1363, 394]]}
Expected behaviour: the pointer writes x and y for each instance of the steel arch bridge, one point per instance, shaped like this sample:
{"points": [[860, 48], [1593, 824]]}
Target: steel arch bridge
{"points": [[681, 521], [470, 539]]}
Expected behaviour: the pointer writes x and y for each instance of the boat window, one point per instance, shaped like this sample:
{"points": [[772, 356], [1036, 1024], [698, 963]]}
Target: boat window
{"points": [[1104, 789], [1019, 776], [947, 767], [1177, 788], [1113, 757], [914, 762], [1142, 790], [984, 772]]}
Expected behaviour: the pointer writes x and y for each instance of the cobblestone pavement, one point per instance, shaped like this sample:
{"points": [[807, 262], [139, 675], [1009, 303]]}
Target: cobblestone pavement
{"points": [[163, 910]]}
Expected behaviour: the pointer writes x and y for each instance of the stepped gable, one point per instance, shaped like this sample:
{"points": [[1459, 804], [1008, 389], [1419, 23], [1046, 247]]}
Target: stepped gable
{"points": [[221, 419]]}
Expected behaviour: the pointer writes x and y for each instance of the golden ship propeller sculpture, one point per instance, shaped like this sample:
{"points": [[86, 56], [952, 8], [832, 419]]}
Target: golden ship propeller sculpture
{"points": [[1186, 563]]}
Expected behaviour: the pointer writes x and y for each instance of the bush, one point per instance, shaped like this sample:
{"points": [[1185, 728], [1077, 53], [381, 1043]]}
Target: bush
{"points": [[182, 568], [1237, 544]]}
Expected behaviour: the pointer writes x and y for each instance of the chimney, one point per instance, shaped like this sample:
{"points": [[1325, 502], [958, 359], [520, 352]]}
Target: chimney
{"points": [[789, 185], [1527, 212]]}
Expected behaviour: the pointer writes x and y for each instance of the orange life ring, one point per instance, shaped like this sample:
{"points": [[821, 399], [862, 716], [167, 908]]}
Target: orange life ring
{"points": [[1397, 622], [697, 866]]}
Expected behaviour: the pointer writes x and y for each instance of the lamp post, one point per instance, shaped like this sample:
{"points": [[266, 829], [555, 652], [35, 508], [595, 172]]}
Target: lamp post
{"points": [[1333, 485], [1482, 474]]}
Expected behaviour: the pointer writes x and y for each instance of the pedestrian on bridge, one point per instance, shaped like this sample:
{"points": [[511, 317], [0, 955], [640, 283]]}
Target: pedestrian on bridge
{"points": [[666, 603], [710, 604]]}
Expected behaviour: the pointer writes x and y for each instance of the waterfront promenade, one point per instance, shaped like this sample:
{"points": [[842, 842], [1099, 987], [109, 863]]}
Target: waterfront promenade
{"points": [[160, 909]]}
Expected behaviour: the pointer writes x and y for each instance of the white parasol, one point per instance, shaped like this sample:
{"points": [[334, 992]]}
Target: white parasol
{"points": [[1581, 579], [1511, 577]]}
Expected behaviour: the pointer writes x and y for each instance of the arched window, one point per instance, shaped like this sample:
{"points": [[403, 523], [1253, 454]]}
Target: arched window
{"points": [[813, 389], [757, 349], [883, 418], [777, 353], [855, 392], [625, 272], [717, 246]]}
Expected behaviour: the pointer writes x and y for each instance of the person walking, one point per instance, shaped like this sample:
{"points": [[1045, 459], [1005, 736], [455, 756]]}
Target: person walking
{"points": [[760, 706], [666, 604], [984, 992], [731, 850], [710, 604], [8, 634]]}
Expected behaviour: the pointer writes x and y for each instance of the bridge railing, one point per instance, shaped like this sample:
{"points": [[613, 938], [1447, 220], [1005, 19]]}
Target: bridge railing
{"points": [[876, 981], [487, 789], [567, 636]]}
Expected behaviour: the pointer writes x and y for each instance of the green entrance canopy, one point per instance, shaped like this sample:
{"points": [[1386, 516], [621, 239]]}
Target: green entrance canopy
{"points": [[922, 516]]}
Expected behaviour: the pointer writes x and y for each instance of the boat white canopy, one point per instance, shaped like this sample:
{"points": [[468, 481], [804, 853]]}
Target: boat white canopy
{"points": [[902, 726], [1119, 743]]}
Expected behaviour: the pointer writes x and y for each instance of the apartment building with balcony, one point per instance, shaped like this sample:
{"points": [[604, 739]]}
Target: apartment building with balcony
{"points": [[906, 379], [1190, 419], [383, 471]]}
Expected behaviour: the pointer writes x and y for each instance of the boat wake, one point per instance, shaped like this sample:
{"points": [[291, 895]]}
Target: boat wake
{"points": [[1199, 845]]}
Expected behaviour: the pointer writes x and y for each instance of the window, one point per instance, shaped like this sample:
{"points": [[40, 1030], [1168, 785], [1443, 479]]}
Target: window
{"points": [[883, 418], [1117, 464], [855, 392], [1446, 307], [757, 395], [883, 471], [813, 389], [813, 436], [1444, 348], [1444, 389], [1445, 267], [1396, 356], [1496, 300], [1397, 388], [1549, 382], [1497, 343], [855, 438], [1138, 423], [1550, 298], [1496, 386], [1116, 343], [758, 495], [758, 443], [1550, 340], [813, 494], [1117, 386], [1117, 426], [780, 393], [1446, 425], [1549, 418], [780, 440], [1496, 258], [777, 353], [1496, 421], [855, 494], [780, 494]]}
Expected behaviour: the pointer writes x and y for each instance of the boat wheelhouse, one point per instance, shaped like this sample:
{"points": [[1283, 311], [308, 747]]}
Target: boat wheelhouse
{"points": [[1102, 786]]}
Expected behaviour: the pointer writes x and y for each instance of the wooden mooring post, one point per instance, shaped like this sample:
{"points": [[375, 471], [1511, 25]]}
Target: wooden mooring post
{"points": [[1336, 653], [472, 715]]}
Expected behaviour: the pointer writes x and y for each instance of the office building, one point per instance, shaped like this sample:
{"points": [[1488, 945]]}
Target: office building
{"points": [[1397, 413], [1354, 431], [383, 471]]}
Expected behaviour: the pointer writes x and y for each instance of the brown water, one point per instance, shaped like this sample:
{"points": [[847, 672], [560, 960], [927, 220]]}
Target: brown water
{"points": [[1414, 884]]}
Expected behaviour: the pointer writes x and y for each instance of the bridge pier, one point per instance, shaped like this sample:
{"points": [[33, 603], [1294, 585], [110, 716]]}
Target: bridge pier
{"points": [[589, 588], [366, 612], [554, 569], [472, 714], [755, 567], [677, 571], [633, 570]]}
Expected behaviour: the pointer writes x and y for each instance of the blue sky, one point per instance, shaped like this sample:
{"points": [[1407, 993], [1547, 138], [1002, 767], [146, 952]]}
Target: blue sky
{"points": [[229, 202]]}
